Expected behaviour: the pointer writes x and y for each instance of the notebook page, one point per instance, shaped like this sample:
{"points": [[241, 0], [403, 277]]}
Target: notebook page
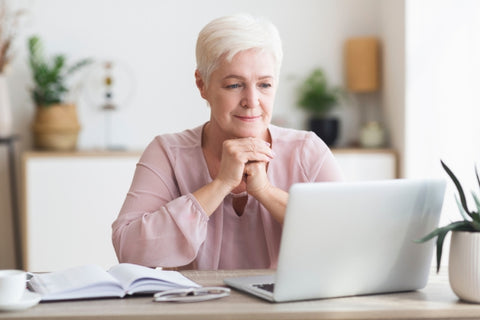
{"points": [[136, 278], [73, 279]]}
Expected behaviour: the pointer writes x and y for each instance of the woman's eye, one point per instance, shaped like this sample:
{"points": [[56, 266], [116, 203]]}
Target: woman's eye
{"points": [[265, 85], [234, 86]]}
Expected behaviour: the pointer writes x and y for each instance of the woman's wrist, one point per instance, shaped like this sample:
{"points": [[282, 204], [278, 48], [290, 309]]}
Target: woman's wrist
{"points": [[222, 188], [274, 200], [211, 195]]}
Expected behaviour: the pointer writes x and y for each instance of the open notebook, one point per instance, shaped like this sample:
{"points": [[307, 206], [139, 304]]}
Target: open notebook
{"points": [[352, 238], [91, 281]]}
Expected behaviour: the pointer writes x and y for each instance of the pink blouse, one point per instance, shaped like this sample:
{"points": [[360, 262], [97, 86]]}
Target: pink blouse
{"points": [[162, 224]]}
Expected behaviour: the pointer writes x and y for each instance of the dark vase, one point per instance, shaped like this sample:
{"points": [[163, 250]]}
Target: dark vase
{"points": [[325, 128]]}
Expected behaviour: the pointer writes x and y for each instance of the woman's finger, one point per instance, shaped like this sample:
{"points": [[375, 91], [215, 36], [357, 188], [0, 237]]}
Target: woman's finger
{"points": [[257, 149]]}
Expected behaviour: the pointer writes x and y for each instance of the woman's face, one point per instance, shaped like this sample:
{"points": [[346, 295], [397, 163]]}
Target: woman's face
{"points": [[241, 94]]}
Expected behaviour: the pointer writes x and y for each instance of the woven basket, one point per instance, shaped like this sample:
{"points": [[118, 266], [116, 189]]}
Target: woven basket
{"points": [[56, 127]]}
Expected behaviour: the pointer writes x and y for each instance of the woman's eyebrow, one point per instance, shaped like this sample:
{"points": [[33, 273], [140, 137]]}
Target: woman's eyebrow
{"points": [[265, 77], [234, 76]]}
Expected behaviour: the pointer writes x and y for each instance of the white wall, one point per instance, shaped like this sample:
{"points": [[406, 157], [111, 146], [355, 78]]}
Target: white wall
{"points": [[155, 40], [393, 74], [430, 95], [442, 102]]}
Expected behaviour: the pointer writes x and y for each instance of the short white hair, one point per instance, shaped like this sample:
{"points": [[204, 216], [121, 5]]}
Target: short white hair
{"points": [[226, 36]]}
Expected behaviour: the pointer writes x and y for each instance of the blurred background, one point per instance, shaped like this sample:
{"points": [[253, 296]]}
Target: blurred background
{"points": [[426, 102]]}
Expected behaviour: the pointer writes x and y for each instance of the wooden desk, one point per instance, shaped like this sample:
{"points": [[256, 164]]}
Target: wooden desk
{"points": [[436, 301]]}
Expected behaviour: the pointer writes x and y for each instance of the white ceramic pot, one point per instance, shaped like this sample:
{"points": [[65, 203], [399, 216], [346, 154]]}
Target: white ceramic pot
{"points": [[6, 121], [372, 135], [464, 265]]}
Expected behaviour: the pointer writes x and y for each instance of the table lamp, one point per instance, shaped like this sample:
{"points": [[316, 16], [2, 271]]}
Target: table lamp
{"points": [[362, 62]]}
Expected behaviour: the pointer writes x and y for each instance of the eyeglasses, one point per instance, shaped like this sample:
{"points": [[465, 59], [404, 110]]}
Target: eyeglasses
{"points": [[191, 294]]}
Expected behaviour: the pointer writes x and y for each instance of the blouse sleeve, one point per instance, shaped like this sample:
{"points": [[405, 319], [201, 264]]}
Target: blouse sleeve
{"points": [[319, 162], [156, 225]]}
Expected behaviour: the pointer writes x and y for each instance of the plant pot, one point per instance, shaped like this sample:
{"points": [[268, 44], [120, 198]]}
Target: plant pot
{"points": [[464, 265], [325, 128], [56, 127]]}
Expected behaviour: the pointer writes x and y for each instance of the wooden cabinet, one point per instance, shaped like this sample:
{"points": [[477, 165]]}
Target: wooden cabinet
{"points": [[70, 202], [367, 164]]}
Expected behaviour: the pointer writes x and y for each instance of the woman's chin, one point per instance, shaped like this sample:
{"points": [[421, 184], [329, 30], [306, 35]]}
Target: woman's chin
{"points": [[261, 133]]}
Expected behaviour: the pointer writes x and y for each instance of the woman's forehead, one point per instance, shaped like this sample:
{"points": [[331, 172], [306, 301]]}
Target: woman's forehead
{"points": [[247, 62]]}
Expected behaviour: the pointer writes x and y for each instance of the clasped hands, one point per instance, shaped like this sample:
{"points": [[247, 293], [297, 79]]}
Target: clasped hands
{"points": [[244, 160]]}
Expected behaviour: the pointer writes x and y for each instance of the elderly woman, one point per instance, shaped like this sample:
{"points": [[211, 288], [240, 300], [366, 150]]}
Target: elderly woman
{"points": [[214, 197]]}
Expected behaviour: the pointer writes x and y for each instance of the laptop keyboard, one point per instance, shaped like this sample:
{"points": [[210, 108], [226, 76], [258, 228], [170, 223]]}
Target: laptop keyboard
{"points": [[265, 286]]}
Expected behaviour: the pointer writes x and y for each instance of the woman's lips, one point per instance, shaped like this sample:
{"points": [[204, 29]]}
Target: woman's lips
{"points": [[248, 118]]}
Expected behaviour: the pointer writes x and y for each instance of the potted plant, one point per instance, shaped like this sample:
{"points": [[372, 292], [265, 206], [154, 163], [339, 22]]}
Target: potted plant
{"points": [[56, 125], [318, 99], [464, 259]]}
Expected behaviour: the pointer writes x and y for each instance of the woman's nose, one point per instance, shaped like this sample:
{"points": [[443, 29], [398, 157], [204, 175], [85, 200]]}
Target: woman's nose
{"points": [[250, 98]]}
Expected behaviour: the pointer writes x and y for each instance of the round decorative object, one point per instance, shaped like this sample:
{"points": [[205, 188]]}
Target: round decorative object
{"points": [[6, 125], [56, 127], [109, 85], [372, 135], [109, 88], [464, 265]]}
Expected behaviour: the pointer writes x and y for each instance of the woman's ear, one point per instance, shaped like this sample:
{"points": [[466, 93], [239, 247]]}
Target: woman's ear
{"points": [[200, 84]]}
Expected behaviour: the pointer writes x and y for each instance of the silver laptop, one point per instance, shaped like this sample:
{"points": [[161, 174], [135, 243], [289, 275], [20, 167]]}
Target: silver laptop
{"points": [[352, 238]]}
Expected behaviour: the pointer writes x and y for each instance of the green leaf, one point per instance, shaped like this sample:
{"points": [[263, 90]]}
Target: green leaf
{"points": [[475, 225], [440, 233], [316, 96], [78, 65], [477, 201], [58, 64], [464, 214], [49, 75], [440, 240], [458, 225], [460, 191], [35, 49], [476, 174]]}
